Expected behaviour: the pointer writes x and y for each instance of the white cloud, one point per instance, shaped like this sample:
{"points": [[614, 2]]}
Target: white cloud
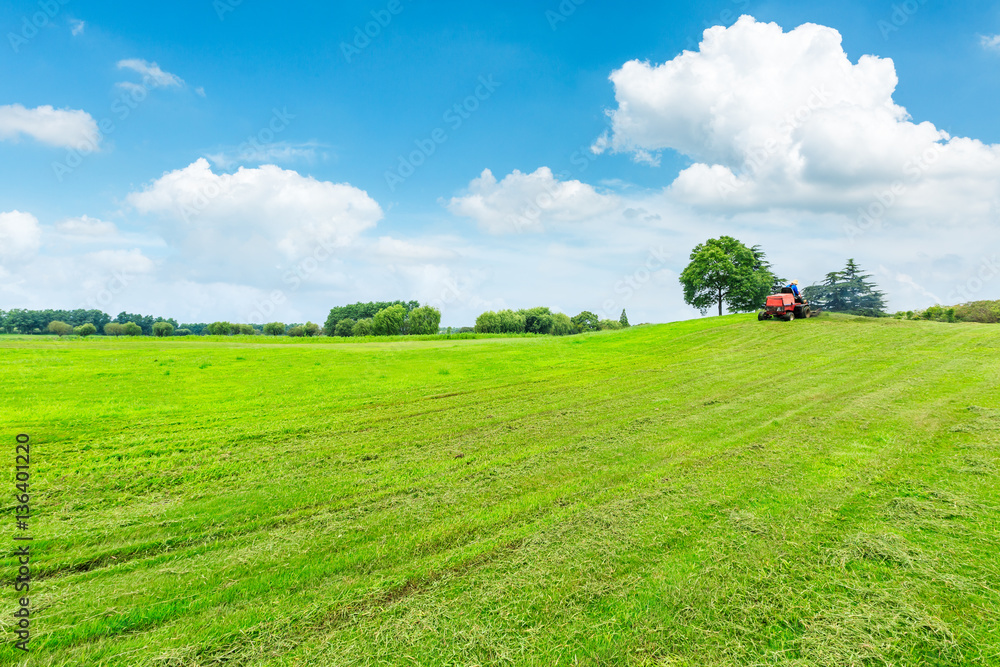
{"points": [[20, 235], [127, 261], [785, 119], [235, 223], [77, 26], [86, 226], [64, 128], [990, 42], [152, 75], [528, 202]]}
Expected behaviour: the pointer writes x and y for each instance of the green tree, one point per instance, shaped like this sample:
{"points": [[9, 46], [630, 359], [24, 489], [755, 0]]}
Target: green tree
{"points": [[274, 329], [345, 328], [60, 328], [488, 322], [364, 327], [724, 271], [511, 322], [604, 325], [246, 330], [182, 332], [623, 320], [562, 325], [537, 320], [312, 329], [587, 321], [297, 331], [163, 329], [220, 329], [114, 329], [361, 311], [424, 321], [85, 330], [847, 291], [132, 329], [389, 321]]}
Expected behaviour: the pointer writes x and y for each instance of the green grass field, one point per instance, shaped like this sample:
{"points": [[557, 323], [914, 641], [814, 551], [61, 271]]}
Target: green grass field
{"points": [[714, 492]]}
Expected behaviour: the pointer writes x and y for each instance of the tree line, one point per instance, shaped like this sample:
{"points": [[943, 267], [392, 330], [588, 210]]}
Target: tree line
{"points": [[541, 320]]}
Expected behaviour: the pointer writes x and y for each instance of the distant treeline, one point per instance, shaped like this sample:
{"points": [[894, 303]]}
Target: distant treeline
{"points": [[984, 312], [37, 321], [542, 320]]}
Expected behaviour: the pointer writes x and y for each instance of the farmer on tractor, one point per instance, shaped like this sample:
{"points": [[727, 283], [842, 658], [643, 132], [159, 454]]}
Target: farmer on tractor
{"points": [[794, 286]]}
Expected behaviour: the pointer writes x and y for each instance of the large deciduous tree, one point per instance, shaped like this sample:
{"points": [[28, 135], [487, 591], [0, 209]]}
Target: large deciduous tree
{"points": [[724, 271]]}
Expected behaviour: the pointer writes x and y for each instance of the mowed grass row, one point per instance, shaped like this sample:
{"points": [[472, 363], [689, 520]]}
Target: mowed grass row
{"points": [[714, 492]]}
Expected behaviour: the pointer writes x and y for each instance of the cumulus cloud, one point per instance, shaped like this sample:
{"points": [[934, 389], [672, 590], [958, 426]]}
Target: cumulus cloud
{"points": [[254, 218], [990, 42], [20, 235], [527, 202], [64, 128], [391, 248], [785, 119], [152, 75]]}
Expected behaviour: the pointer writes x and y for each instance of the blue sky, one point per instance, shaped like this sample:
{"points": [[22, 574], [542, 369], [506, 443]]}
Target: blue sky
{"points": [[611, 196]]}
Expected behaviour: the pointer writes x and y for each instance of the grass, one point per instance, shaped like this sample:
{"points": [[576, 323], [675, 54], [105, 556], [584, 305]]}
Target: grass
{"points": [[714, 492]]}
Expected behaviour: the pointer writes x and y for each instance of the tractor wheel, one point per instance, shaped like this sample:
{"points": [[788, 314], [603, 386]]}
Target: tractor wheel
{"points": [[761, 316], [790, 316]]}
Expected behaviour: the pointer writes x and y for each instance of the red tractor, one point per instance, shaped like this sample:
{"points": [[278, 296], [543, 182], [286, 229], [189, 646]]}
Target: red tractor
{"points": [[785, 306]]}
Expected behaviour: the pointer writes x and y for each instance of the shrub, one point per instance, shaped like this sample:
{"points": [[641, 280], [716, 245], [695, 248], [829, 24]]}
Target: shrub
{"points": [[163, 329], [220, 328], [986, 312], [345, 328], [605, 325], [587, 321], [247, 330], [182, 332], [132, 329], [60, 328], [114, 329], [274, 329], [311, 329], [85, 330], [297, 331]]}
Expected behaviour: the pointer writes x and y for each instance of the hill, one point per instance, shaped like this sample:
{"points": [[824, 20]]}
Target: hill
{"points": [[713, 492]]}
